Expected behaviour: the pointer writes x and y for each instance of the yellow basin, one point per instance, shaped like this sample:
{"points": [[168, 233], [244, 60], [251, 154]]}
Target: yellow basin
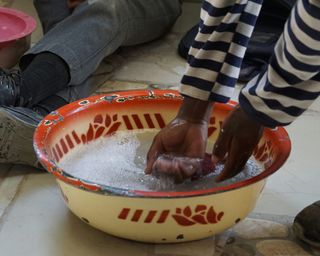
{"points": [[148, 216]]}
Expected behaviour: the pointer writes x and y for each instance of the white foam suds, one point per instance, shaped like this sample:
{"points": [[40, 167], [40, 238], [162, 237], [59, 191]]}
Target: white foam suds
{"points": [[119, 161]]}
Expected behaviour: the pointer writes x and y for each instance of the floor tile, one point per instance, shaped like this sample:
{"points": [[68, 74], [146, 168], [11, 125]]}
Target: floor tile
{"points": [[111, 86], [10, 182], [204, 247], [295, 185]]}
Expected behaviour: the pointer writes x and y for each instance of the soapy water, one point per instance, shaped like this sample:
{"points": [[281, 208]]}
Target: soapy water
{"points": [[119, 161]]}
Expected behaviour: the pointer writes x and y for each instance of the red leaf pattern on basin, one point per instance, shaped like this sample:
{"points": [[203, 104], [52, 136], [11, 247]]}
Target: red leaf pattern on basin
{"points": [[102, 125], [214, 126], [201, 215], [264, 153]]}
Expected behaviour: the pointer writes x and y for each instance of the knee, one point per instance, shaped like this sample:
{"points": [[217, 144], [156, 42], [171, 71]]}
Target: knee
{"points": [[111, 7], [105, 13]]}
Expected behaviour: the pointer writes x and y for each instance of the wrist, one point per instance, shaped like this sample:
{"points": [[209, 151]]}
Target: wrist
{"points": [[249, 119], [195, 110]]}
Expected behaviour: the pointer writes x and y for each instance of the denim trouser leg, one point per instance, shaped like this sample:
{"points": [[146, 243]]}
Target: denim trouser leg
{"points": [[97, 28]]}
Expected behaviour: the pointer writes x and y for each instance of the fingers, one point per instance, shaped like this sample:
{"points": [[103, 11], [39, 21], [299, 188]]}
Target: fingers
{"points": [[190, 166], [166, 166], [178, 168], [237, 158], [221, 146], [153, 153], [231, 169]]}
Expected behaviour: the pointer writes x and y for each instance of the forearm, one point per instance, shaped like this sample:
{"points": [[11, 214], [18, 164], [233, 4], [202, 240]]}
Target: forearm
{"points": [[195, 111], [291, 81], [216, 55]]}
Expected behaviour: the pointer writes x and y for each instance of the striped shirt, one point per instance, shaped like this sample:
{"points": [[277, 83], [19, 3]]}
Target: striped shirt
{"points": [[288, 84]]}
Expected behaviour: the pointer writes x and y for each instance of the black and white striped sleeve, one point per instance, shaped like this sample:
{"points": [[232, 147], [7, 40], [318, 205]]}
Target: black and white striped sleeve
{"points": [[216, 55], [291, 81], [287, 86]]}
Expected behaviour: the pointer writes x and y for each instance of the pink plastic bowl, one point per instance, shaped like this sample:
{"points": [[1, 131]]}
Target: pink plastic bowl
{"points": [[14, 25], [15, 33]]}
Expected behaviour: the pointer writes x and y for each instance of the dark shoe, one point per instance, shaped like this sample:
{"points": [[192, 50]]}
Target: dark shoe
{"points": [[306, 225], [10, 81], [17, 126], [187, 40]]}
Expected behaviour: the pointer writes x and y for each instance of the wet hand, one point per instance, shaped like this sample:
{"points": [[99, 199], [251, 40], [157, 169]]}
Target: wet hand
{"points": [[176, 149], [177, 168], [238, 137], [182, 142]]}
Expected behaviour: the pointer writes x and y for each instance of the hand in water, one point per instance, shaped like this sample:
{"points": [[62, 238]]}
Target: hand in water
{"points": [[177, 149], [182, 142], [177, 168], [237, 139]]}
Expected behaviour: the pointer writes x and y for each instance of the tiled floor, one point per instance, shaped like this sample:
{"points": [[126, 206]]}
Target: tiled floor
{"points": [[34, 220]]}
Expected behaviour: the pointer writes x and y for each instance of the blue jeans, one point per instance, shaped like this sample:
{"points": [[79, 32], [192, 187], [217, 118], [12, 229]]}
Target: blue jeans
{"points": [[96, 29]]}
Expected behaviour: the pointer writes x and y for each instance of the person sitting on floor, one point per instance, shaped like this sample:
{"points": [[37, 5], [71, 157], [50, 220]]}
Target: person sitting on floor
{"points": [[78, 35]]}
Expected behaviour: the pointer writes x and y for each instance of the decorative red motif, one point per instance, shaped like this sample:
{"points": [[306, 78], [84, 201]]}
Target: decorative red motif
{"points": [[76, 138], [213, 126], [264, 152], [163, 216], [127, 122], [102, 125], [144, 216], [60, 154], [98, 119], [160, 120], [150, 216], [124, 213], [136, 216], [201, 215], [149, 120], [184, 217], [64, 146], [56, 157], [135, 121], [69, 141]]}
